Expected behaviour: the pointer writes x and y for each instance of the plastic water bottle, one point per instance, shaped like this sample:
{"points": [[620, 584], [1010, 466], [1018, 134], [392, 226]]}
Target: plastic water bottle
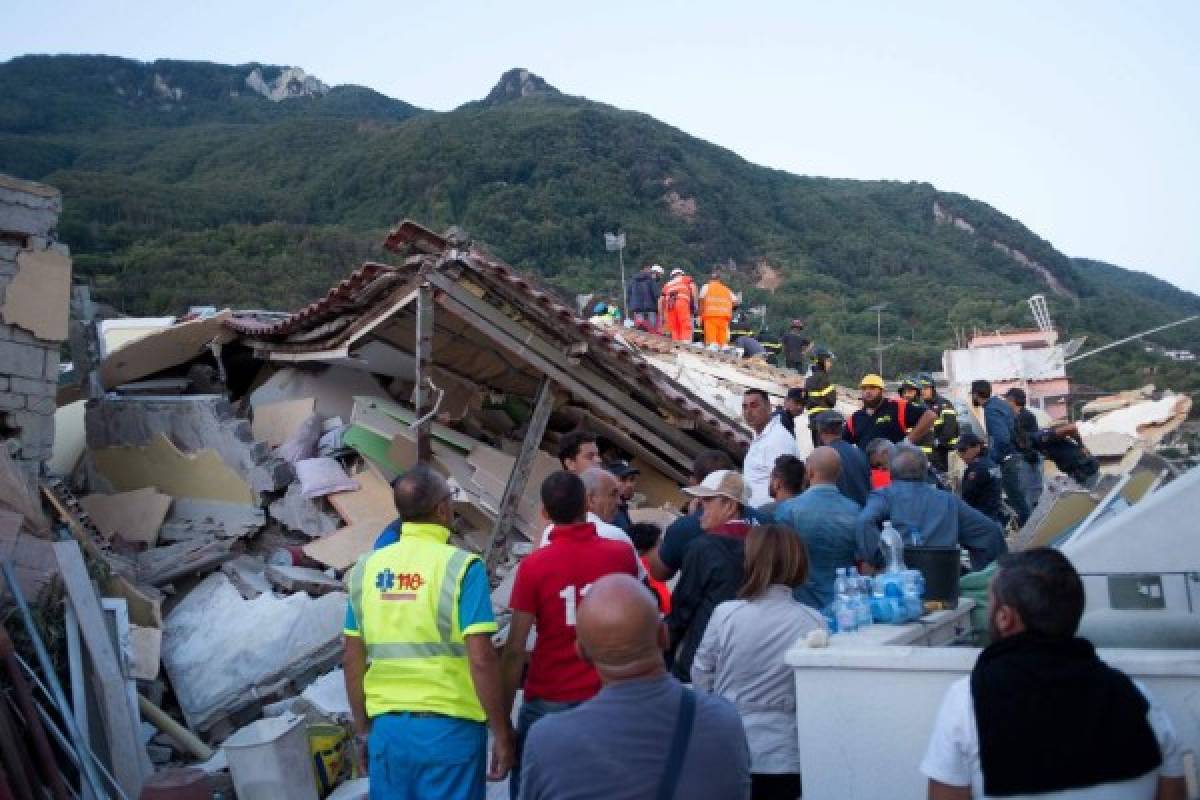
{"points": [[861, 592], [914, 594], [843, 607], [917, 539]]}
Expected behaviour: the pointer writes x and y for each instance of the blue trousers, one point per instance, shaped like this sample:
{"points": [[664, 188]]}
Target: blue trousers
{"points": [[427, 758], [531, 711], [1010, 479]]}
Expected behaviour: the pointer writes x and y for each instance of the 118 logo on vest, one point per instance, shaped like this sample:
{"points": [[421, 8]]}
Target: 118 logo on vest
{"points": [[406, 582]]}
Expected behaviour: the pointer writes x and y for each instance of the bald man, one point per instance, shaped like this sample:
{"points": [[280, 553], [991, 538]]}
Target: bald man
{"points": [[825, 519], [617, 744]]}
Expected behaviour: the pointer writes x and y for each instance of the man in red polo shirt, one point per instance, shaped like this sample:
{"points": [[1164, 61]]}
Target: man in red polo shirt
{"points": [[550, 584]]}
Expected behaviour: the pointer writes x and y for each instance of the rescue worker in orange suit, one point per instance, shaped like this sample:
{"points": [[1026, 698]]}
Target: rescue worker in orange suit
{"points": [[677, 305], [716, 311]]}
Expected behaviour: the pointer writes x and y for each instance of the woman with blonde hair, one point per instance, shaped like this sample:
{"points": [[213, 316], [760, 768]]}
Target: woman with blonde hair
{"points": [[741, 656]]}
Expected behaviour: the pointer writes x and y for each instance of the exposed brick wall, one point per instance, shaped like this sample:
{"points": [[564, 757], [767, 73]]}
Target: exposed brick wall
{"points": [[28, 365]]}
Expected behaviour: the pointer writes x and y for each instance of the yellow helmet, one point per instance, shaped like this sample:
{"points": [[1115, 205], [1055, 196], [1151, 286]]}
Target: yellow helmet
{"points": [[871, 380]]}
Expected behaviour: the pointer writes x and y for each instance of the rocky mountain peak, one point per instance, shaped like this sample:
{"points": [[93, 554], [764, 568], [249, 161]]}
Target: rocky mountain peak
{"points": [[518, 83]]}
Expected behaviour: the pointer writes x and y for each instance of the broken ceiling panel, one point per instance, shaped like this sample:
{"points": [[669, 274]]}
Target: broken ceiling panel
{"points": [[163, 349], [39, 296], [201, 475]]}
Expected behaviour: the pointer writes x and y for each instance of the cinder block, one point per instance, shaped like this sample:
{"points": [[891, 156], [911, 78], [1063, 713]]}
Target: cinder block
{"points": [[22, 336], [52, 359], [3, 383], [8, 252], [22, 360], [40, 405], [10, 401], [35, 388]]}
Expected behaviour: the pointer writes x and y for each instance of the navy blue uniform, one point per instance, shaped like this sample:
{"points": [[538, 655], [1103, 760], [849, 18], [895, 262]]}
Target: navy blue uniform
{"points": [[981, 488]]}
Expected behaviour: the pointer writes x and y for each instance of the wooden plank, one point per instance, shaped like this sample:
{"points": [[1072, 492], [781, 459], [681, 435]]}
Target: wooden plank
{"points": [[422, 394], [121, 728], [515, 488]]}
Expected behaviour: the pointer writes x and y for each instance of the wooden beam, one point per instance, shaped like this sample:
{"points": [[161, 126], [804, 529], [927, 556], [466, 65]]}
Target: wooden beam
{"points": [[514, 490], [120, 727], [423, 395], [551, 361]]}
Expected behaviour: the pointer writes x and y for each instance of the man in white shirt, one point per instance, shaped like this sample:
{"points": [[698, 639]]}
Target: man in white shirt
{"points": [[771, 440], [1042, 716]]}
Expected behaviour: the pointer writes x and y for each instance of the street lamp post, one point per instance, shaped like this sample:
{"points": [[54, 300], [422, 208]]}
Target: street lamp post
{"points": [[878, 309], [616, 241]]}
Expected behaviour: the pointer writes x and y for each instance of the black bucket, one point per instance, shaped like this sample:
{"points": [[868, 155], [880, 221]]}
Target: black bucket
{"points": [[940, 567]]}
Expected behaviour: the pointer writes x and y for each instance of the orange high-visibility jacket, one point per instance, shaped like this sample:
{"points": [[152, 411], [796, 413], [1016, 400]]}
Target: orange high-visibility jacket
{"points": [[716, 301], [680, 288]]}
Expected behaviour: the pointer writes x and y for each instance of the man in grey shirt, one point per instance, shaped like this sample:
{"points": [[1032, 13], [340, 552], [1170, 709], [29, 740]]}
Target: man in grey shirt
{"points": [[617, 744]]}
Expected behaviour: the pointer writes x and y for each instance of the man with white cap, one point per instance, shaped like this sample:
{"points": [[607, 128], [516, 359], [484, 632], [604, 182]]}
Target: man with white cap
{"points": [[678, 304], [641, 296], [712, 569]]}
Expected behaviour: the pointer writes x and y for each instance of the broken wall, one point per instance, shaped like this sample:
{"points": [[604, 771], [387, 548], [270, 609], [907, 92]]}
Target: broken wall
{"points": [[35, 286], [202, 426]]}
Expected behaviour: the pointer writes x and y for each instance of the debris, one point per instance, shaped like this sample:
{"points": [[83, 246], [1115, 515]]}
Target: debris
{"points": [[134, 516], [357, 789], [322, 476], [193, 424], [120, 722], [200, 475], [327, 695], [17, 496], [39, 295], [145, 650], [162, 565], [31, 557], [302, 515], [274, 423], [224, 654], [248, 574], [162, 349], [302, 579], [181, 735], [332, 388], [368, 511], [303, 442], [190, 518]]}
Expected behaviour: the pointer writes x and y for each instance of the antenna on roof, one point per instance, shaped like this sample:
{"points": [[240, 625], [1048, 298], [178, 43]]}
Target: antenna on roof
{"points": [[1041, 313]]}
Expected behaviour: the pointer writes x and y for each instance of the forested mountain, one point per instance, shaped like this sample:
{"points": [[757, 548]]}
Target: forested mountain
{"points": [[258, 186]]}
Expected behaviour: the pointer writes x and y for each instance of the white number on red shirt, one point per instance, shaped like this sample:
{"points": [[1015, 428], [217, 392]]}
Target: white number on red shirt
{"points": [[570, 602]]}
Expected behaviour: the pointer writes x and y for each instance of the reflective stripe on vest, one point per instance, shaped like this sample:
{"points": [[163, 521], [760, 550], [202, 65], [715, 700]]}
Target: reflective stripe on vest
{"points": [[821, 392], [718, 301]]}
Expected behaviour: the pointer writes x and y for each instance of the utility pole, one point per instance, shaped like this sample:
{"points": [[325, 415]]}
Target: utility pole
{"points": [[878, 309], [616, 241]]}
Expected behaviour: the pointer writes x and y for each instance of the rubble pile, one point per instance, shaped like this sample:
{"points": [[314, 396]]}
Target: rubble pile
{"points": [[230, 467]]}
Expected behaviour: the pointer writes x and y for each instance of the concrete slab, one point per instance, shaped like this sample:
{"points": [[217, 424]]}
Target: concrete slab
{"points": [[222, 652], [302, 579]]}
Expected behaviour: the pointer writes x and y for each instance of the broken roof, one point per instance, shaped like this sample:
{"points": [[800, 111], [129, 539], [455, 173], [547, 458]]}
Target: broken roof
{"points": [[501, 329]]}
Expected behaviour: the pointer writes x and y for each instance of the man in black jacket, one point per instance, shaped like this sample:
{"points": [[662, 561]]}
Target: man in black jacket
{"points": [[945, 426], [712, 568], [641, 296], [1024, 433], [1040, 712], [795, 346]]}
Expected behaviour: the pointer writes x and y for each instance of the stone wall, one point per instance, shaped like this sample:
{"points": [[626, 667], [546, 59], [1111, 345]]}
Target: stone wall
{"points": [[28, 364]]}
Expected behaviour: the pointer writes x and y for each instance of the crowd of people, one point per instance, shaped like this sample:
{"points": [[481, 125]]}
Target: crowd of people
{"points": [[643, 662]]}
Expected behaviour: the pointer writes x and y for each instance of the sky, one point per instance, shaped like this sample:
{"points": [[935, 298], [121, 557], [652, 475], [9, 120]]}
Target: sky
{"points": [[1080, 118]]}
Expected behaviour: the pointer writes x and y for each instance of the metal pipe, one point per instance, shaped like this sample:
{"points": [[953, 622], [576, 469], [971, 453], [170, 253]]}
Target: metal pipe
{"points": [[60, 699], [1111, 345], [33, 724]]}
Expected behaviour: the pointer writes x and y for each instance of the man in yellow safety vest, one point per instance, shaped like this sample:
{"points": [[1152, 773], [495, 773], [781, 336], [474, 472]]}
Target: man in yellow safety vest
{"points": [[421, 673]]}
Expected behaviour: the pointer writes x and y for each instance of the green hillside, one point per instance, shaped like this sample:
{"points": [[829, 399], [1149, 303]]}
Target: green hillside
{"points": [[183, 185]]}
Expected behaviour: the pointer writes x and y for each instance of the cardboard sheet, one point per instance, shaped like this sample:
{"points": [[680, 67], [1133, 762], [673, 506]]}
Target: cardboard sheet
{"points": [[372, 500], [38, 298], [274, 423], [134, 516], [163, 349], [201, 475], [343, 547]]}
